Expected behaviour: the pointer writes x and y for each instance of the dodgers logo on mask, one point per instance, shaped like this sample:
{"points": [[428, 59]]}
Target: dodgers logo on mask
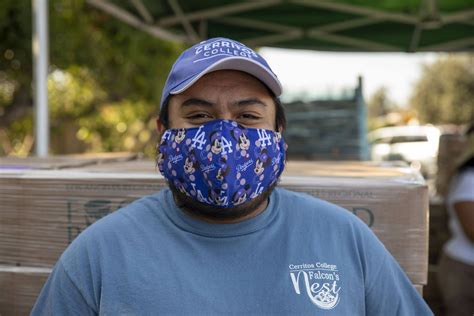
{"points": [[223, 164]]}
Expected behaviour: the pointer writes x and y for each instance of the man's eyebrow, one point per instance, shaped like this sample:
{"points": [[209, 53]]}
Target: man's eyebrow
{"points": [[248, 102], [196, 101]]}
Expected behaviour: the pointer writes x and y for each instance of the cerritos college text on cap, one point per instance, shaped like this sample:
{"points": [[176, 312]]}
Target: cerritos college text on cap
{"points": [[222, 47]]}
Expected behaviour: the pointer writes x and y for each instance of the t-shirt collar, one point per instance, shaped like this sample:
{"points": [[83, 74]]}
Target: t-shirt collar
{"points": [[193, 225]]}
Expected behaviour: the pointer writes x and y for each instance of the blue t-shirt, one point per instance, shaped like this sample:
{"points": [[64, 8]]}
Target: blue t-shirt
{"points": [[301, 256]]}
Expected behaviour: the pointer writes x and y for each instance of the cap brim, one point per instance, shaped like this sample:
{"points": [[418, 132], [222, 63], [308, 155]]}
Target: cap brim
{"points": [[236, 63]]}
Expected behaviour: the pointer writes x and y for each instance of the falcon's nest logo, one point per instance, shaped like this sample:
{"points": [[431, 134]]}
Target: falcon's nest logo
{"points": [[320, 282]]}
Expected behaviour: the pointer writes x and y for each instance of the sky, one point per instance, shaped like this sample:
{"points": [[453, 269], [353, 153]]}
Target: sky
{"points": [[313, 74]]}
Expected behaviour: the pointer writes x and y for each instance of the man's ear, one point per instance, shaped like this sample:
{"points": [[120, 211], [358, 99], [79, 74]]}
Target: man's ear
{"points": [[159, 126]]}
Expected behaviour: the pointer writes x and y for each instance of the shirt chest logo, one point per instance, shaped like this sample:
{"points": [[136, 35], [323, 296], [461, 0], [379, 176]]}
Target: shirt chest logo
{"points": [[319, 281]]}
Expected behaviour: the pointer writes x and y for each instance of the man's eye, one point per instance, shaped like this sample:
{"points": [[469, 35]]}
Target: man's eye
{"points": [[248, 116], [199, 116]]}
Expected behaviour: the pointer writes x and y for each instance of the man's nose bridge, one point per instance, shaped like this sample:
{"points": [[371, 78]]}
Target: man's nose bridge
{"points": [[226, 116], [224, 112]]}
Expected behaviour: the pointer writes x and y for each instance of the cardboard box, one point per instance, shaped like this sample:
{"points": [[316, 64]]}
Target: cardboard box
{"points": [[392, 200], [419, 288], [20, 288], [42, 211]]}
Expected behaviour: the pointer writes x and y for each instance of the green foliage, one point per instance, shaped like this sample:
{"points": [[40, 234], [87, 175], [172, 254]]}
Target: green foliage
{"points": [[379, 103], [445, 92], [104, 86], [378, 106], [119, 126], [15, 41], [73, 93]]}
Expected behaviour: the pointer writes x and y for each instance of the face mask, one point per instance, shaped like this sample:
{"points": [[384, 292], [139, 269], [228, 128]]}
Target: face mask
{"points": [[221, 163]]}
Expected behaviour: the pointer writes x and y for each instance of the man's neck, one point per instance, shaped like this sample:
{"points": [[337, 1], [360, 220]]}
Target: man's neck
{"points": [[213, 220]]}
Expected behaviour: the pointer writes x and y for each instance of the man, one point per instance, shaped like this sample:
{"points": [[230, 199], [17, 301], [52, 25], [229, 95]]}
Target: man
{"points": [[456, 265], [222, 240]]}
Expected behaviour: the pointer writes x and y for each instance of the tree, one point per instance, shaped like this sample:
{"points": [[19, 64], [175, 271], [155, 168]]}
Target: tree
{"points": [[445, 92], [105, 83], [378, 107], [379, 103]]}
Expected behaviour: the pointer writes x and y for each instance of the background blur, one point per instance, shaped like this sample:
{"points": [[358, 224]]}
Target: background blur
{"points": [[104, 84], [105, 79]]}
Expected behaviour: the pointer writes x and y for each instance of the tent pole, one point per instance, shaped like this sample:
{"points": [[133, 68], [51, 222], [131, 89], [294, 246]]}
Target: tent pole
{"points": [[40, 60]]}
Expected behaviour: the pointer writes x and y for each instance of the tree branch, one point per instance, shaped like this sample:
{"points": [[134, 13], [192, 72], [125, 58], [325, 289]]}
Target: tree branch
{"points": [[21, 105]]}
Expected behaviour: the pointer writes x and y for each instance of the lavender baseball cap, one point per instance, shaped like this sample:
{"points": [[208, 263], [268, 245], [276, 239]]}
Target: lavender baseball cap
{"points": [[217, 54]]}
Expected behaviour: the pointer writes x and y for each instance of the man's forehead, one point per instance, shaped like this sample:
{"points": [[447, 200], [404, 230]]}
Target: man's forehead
{"points": [[238, 102], [228, 79], [227, 75]]}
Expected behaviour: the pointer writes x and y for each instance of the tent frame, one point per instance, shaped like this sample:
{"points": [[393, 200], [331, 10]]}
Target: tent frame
{"points": [[428, 18]]}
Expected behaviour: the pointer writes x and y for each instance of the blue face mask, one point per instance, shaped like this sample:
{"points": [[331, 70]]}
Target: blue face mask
{"points": [[221, 163]]}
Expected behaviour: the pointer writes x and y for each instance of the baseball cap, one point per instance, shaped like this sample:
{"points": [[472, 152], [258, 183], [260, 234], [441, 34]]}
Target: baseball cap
{"points": [[217, 54]]}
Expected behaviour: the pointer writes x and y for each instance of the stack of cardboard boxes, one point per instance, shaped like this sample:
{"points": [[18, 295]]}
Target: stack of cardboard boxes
{"points": [[42, 211], [33, 228]]}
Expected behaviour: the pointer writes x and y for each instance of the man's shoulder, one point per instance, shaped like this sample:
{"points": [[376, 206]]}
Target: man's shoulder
{"points": [[138, 216], [304, 205], [141, 208], [304, 202]]}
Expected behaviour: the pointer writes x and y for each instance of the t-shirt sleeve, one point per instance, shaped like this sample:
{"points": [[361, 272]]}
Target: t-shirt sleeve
{"points": [[464, 189], [388, 291], [60, 296], [391, 293]]}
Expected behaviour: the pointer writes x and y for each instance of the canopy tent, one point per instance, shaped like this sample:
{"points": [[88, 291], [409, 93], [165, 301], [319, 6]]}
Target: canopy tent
{"points": [[330, 25]]}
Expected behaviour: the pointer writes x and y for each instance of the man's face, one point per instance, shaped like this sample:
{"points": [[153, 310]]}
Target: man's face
{"points": [[224, 94]]}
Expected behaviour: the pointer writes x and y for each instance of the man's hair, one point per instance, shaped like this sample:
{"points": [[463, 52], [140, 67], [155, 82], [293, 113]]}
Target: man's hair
{"points": [[469, 163], [280, 117]]}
